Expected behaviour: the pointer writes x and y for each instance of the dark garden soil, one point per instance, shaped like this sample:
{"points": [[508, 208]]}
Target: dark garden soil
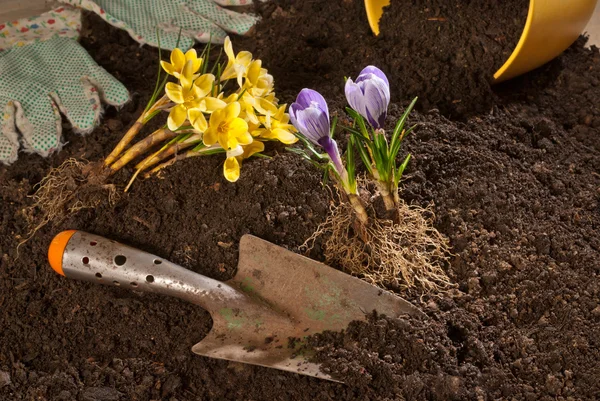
{"points": [[513, 173], [443, 51]]}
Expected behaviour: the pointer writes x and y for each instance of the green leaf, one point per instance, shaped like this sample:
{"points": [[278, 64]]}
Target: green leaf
{"points": [[210, 152], [363, 152], [350, 164], [394, 151], [401, 169], [217, 64], [396, 139], [325, 178], [206, 53], [150, 116], [308, 145], [332, 129], [358, 119]]}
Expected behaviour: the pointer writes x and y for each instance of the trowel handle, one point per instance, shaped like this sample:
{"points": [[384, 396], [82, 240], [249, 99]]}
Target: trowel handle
{"points": [[84, 256]]}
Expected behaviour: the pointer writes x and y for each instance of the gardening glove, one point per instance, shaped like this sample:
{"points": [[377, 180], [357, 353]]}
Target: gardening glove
{"points": [[43, 70], [154, 21]]}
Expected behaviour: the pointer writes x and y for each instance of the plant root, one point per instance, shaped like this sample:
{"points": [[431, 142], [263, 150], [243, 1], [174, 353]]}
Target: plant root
{"points": [[408, 255], [71, 187]]}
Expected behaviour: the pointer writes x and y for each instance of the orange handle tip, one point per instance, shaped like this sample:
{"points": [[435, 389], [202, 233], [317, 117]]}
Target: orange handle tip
{"points": [[57, 250]]}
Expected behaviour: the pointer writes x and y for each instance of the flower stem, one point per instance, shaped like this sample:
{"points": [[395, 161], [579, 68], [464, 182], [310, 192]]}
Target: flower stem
{"points": [[359, 209], [133, 131], [390, 201], [181, 156], [165, 152], [139, 148], [161, 154]]}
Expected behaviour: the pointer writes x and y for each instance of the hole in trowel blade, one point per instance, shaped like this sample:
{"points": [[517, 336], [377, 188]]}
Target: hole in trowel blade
{"points": [[85, 260], [133, 284], [99, 275], [120, 260], [150, 278], [116, 283], [93, 243], [157, 261]]}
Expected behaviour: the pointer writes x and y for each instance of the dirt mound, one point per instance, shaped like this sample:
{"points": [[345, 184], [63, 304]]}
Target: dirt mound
{"points": [[516, 189]]}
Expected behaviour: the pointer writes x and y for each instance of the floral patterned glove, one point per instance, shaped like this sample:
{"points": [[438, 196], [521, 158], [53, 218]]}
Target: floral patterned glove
{"points": [[43, 70]]}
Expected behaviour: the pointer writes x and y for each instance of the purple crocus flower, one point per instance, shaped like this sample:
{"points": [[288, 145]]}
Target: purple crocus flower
{"points": [[310, 115], [370, 95]]}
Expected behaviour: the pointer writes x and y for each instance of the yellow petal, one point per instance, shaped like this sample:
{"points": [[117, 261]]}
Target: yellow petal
{"points": [[197, 119], [245, 138], [177, 59], [251, 116], [187, 73], [280, 113], [192, 96], [176, 118], [265, 106], [253, 72], [191, 55], [174, 92], [205, 83], [257, 132], [231, 111], [216, 119], [239, 72], [228, 72], [169, 69], [243, 58], [210, 104], [238, 129], [231, 98], [284, 136], [227, 142], [210, 136], [254, 147], [231, 169], [229, 49]]}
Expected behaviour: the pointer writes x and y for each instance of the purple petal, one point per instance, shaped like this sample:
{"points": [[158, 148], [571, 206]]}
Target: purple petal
{"points": [[312, 122], [308, 97], [377, 99], [294, 108], [355, 97], [330, 146], [371, 69]]}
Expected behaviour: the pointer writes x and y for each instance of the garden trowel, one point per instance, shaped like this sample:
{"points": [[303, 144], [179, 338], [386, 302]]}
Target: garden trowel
{"points": [[260, 316]]}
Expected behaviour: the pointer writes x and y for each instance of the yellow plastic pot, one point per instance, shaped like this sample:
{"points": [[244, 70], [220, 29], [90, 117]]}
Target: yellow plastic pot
{"points": [[551, 27]]}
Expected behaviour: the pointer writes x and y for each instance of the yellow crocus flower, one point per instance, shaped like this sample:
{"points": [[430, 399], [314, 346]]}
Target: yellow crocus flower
{"points": [[186, 96], [277, 127], [227, 128], [258, 81], [179, 60], [237, 65], [231, 167], [251, 104]]}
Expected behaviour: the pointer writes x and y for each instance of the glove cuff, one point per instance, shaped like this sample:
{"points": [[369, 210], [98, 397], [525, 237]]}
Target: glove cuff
{"points": [[63, 22]]}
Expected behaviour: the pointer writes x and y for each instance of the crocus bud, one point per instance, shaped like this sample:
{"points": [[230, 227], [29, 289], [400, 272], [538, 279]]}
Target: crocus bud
{"points": [[310, 115], [370, 95]]}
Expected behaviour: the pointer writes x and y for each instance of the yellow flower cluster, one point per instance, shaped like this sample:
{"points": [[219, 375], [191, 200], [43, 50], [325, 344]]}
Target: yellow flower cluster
{"points": [[237, 122]]}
